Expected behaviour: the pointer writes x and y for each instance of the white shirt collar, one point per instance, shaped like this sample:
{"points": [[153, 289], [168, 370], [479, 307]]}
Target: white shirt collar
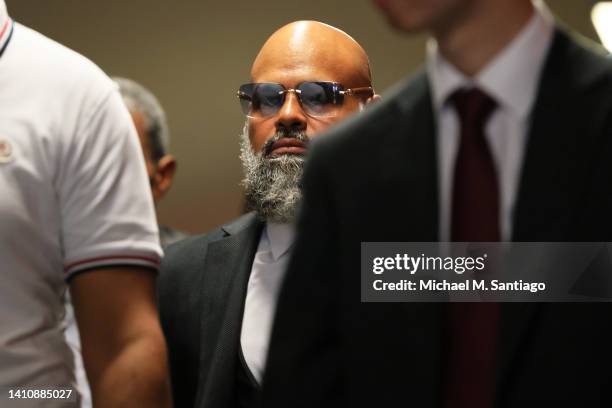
{"points": [[280, 238], [521, 61]]}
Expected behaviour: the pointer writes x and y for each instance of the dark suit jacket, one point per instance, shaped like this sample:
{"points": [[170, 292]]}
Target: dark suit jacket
{"points": [[202, 288], [375, 179]]}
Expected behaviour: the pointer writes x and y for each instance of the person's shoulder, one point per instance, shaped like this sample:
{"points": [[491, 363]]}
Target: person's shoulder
{"points": [[169, 236], [187, 251], [54, 67], [585, 61], [369, 129], [181, 264], [184, 260]]}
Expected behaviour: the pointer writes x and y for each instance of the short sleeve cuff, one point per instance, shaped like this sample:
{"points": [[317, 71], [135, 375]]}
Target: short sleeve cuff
{"points": [[149, 258]]}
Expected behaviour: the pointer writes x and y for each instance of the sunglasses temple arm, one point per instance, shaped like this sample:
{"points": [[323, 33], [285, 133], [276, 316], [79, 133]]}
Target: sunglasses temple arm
{"points": [[357, 91]]}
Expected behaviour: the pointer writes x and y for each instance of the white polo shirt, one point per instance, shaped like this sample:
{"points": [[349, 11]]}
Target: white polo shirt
{"points": [[73, 196]]}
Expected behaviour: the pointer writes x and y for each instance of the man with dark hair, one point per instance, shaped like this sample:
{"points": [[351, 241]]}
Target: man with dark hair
{"points": [[218, 291], [505, 136]]}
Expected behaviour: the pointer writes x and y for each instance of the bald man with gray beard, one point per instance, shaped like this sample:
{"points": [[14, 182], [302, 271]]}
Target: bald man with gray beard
{"points": [[217, 292]]}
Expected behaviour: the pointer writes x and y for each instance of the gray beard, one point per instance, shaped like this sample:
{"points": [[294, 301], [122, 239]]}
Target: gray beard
{"points": [[272, 185]]}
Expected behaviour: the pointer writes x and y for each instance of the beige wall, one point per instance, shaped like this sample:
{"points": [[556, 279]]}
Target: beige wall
{"points": [[193, 54]]}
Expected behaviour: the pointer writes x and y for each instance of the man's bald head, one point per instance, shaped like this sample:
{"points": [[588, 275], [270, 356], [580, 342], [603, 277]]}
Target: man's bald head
{"points": [[304, 58], [305, 51], [301, 45]]}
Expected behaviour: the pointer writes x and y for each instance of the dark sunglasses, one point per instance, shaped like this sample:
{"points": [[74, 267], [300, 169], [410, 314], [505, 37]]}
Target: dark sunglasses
{"points": [[317, 98]]}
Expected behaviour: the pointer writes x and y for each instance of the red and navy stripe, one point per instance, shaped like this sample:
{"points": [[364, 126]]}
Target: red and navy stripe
{"points": [[150, 262], [6, 33]]}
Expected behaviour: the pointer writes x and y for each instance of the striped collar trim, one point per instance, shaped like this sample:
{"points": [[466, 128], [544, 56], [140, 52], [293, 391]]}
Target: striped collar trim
{"points": [[6, 32]]}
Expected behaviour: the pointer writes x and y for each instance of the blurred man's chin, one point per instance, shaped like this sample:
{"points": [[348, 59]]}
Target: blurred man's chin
{"points": [[408, 26]]}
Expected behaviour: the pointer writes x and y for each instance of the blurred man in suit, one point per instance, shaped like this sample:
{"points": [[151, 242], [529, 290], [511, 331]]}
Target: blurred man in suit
{"points": [[506, 135], [218, 291]]}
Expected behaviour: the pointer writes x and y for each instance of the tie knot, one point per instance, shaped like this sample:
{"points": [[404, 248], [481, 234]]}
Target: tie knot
{"points": [[473, 106]]}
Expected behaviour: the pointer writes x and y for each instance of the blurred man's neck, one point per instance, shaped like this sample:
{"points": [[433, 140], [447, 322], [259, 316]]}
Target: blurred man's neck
{"points": [[474, 40]]}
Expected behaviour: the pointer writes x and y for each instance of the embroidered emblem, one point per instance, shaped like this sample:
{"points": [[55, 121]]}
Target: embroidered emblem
{"points": [[6, 151]]}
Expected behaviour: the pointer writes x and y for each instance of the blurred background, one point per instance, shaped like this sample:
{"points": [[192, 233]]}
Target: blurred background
{"points": [[193, 54]]}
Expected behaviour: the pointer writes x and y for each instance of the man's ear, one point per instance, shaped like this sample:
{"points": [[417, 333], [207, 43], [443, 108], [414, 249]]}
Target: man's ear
{"points": [[163, 176], [373, 98]]}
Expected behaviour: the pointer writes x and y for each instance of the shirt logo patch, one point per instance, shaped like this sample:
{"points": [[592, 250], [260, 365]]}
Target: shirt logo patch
{"points": [[6, 151]]}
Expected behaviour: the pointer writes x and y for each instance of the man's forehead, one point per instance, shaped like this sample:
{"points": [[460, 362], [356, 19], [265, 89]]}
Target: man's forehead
{"points": [[292, 74]]}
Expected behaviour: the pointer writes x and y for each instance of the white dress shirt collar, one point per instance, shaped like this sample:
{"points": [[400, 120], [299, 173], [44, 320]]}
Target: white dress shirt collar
{"points": [[267, 272], [280, 238], [523, 58]]}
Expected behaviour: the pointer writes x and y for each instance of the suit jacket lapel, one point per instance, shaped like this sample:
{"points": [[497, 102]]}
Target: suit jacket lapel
{"points": [[226, 272]]}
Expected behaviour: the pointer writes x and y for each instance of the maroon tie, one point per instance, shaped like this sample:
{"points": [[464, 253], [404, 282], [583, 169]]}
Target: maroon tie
{"points": [[473, 327]]}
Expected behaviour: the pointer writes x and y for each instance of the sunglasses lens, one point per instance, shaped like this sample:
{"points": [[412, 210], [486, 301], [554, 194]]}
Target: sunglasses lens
{"points": [[267, 99], [261, 100], [245, 94], [320, 98]]}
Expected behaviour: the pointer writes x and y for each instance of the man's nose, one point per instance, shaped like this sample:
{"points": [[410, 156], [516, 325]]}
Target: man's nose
{"points": [[291, 116]]}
